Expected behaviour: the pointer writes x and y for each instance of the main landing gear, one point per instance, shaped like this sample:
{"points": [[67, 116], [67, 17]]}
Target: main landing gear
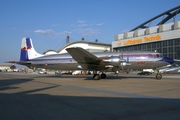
{"points": [[103, 76], [158, 76], [98, 77]]}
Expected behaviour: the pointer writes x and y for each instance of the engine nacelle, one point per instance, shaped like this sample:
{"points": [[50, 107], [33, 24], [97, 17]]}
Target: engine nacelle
{"points": [[115, 61]]}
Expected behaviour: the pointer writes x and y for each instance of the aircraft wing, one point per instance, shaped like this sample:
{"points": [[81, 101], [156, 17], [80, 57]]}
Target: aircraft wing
{"points": [[85, 58]]}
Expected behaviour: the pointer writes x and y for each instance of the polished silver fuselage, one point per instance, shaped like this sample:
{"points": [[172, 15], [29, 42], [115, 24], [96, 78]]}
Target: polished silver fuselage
{"points": [[111, 61]]}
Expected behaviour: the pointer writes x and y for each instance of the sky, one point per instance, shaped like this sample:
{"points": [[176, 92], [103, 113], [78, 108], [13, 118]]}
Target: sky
{"points": [[49, 22]]}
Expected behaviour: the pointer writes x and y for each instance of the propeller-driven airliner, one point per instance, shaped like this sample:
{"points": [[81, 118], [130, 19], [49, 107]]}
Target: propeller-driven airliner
{"points": [[100, 62]]}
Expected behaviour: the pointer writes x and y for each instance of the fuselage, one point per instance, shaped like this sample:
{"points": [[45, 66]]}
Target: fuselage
{"points": [[110, 60]]}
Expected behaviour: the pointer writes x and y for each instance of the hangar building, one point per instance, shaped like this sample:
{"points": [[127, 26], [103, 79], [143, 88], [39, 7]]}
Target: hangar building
{"points": [[89, 46], [163, 38]]}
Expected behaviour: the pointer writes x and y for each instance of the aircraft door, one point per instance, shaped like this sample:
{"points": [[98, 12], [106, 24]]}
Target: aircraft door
{"points": [[150, 57]]}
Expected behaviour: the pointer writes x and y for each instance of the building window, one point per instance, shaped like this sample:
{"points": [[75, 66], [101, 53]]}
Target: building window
{"points": [[125, 49], [165, 54], [170, 49], [139, 47], [159, 50], [135, 47], [177, 55], [153, 45], [158, 44], [170, 55], [131, 48], [170, 42], [143, 47], [164, 43], [177, 48], [177, 42], [164, 50], [149, 46]]}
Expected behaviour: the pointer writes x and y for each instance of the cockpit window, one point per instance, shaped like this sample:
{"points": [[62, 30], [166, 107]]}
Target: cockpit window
{"points": [[157, 55]]}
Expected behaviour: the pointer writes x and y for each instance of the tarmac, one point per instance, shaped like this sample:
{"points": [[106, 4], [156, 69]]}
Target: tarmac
{"points": [[63, 97]]}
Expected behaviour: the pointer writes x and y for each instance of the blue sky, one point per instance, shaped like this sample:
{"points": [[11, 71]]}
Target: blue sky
{"points": [[48, 22]]}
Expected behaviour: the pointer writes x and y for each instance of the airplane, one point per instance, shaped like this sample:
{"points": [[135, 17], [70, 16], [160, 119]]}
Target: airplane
{"points": [[100, 62]]}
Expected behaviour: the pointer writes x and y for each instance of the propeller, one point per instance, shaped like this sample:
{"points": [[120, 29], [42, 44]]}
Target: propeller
{"points": [[127, 64], [122, 62]]}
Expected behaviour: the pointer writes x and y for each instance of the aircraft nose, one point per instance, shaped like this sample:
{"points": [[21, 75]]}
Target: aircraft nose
{"points": [[169, 60]]}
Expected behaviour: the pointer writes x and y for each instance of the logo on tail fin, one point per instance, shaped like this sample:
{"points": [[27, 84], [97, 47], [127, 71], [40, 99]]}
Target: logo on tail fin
{"points": [[26, 48], [26, 45]]}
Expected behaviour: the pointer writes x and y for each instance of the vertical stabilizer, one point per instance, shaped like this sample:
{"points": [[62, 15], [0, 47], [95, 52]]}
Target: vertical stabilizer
{"points": [[27, 50]]}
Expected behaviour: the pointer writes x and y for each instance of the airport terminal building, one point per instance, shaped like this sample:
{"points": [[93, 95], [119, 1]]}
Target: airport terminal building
{"points": [[163, 38]]}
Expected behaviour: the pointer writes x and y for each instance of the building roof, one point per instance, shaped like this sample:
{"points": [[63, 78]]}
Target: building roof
{"points": [[49, 51], [169, 14], [80, 41]]}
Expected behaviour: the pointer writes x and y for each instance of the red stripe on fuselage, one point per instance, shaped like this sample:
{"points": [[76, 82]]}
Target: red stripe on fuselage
{"points": [[141, 62]]}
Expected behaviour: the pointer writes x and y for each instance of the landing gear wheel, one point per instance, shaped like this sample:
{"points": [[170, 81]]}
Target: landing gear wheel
{"points": [[158, 76], [96, 77], [103, 76]]}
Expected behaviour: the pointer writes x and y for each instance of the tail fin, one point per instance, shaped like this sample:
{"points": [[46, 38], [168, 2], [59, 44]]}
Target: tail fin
{"points": [[27, 50]]}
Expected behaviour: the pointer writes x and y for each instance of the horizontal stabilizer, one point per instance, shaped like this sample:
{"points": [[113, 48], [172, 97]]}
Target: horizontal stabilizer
{"points": [[20, 62]]}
